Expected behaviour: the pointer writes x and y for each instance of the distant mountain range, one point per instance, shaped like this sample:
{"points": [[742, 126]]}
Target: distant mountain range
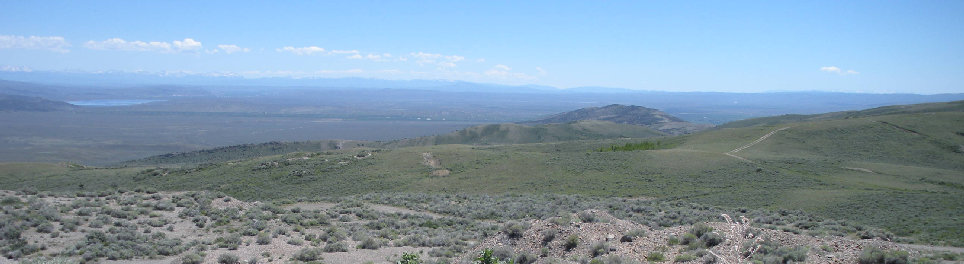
{"points": [[626, 114], [29, 103]]}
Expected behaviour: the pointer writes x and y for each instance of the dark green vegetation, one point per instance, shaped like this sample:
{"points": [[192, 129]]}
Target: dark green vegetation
{"points": [[517, 134], [27, 103], [627, 114], [900, 170], [645, 145]]}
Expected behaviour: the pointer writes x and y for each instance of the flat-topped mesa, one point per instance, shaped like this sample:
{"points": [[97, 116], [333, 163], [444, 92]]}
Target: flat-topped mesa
{"points": [[627, 114]]}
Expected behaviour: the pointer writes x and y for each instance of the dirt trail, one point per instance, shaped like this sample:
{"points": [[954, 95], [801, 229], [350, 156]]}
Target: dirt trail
{"points": [[732, 153]]}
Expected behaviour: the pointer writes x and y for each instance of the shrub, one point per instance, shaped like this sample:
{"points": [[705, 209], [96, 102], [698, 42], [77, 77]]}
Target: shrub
{"points": [[548, 235], [688, 239], [655, 256], [525, 258], [294, 241], [336, 247], [712, 239], [700, 229], [571, 242], [231, 241], [587, 217], [514, 230], [191, 258], [878, 256], [486, 257], [370, 243], [409, 258], [263, 239], [228, 258], [632, 235], [772, 252], [684, 258], [310, 254], [599, 249]]}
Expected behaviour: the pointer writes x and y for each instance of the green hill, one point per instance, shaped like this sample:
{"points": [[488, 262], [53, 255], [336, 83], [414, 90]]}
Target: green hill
{"points": [[518, 134], [28, 103], [240, 152], [955, 106], [900, 168], [627, 114]]}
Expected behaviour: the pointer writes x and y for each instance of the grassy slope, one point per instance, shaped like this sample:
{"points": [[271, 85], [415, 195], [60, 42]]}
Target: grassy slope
{"points": [[517, 134], [913, 186]]}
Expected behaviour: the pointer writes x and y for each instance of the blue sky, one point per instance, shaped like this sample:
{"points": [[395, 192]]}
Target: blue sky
{"points": [[734, 46]]}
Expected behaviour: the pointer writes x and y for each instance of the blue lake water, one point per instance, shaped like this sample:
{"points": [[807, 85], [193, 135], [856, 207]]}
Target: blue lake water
{"points": [[112, 102]]}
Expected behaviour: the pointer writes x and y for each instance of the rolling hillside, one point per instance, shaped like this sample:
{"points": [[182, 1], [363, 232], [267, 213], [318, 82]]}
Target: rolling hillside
{"points": [[27, 103], [901, 171], [631, 115], [518, 134]]}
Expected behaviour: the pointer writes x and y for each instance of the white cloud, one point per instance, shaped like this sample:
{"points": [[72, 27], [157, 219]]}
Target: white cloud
{"points": [[830, 69], [503, 72], [312, 50], [355, 57], [442, 61], [232, 48], [7, 68], [343, 52], [187, 44], [55, 43], [837, 70], [541, 71]]}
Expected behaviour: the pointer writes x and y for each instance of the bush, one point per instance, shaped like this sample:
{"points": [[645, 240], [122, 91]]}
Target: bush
{"points": [[684, 258], [191, 258], [700, 229], [632, 235], [228, 258], [370, 243], [310, 254], [548, 235], [599, 249], [294, 241], [655, 256], [263, 239], [878, 256], [525, 258], [409, 258], [772, 252], [514, 230], [587, 217], [231, 241], [571, 242], [336, 247], [712, 239], [689, 238]]}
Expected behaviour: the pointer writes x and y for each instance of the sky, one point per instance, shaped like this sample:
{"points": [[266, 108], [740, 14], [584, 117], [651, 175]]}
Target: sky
{"points": [[727, 46]]}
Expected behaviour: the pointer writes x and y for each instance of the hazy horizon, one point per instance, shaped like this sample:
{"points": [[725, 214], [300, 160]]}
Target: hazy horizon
{"points": [[860, 46]]}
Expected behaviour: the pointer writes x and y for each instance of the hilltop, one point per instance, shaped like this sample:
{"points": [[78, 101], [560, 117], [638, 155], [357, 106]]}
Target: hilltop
{"points": [[627, 114], [542, 133], [29, 103]]}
